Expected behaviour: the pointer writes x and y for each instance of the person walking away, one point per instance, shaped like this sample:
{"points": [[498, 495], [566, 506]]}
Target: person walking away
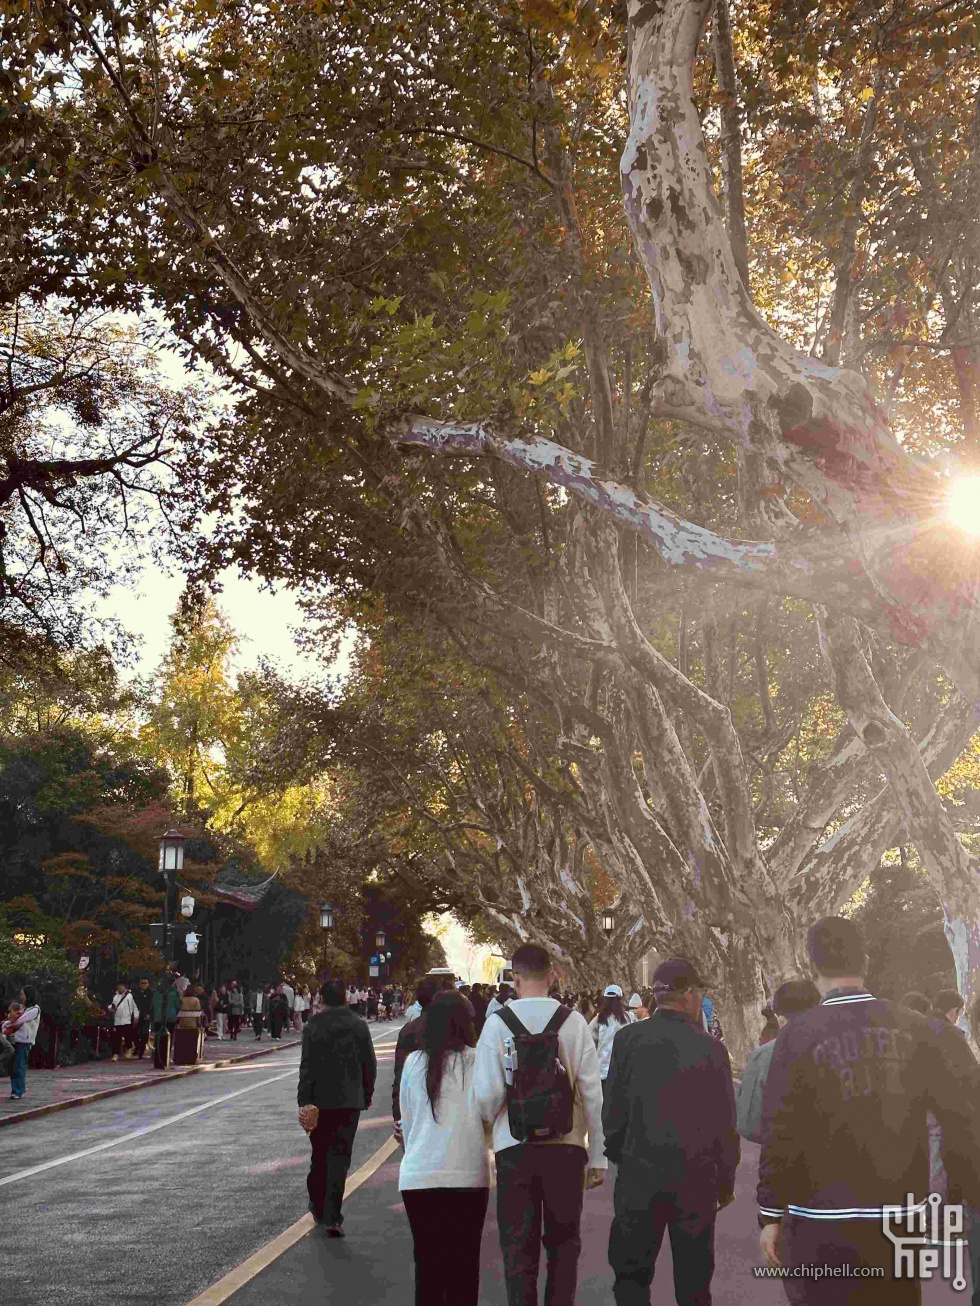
{"points": [[844, 1125], [124, 1012], [961, 1058], [500, 999], [144, 1001], [236, 1010], [222, 1010], [22, 1032], [410, 1040], [278, 1014], [789, 1001], [544, 1167], [444, 1179], [301, 1008], [479, 1002], [316, 1002], [260, 1010], [609, 1020], [947, 1006], [669, 1122], [166, 1008], [337, 1075], [289, 993]]}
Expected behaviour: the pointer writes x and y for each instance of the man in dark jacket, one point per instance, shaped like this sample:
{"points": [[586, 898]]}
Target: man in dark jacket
{"points": [[337, 1072], [410, 1040], [669, 1122], [845, 1129]]}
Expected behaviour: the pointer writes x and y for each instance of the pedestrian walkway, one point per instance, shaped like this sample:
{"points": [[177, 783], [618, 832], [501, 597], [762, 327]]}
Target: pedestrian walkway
{"points": [[374, 1262], [46, 1088]]}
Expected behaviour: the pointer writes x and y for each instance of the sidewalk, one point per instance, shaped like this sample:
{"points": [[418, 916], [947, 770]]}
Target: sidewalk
{"points": [[54, 1090]]}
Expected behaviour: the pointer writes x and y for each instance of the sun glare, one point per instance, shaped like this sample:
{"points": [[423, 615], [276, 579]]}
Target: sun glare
{"points": [[963, 505]]}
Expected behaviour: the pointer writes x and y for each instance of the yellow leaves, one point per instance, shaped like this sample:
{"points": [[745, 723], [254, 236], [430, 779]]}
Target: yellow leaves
{"points": [[867, 94]]}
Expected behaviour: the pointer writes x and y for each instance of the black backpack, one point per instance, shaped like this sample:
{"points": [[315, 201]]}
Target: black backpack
{"points": [[539, 1101]]}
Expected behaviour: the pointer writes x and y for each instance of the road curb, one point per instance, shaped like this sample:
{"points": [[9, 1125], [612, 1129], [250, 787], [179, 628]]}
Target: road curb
{"points": [[163, 1077]]}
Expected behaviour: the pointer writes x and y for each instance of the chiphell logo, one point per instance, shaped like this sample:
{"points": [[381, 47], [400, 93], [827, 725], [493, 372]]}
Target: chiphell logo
{"points": [[927, 1237]]}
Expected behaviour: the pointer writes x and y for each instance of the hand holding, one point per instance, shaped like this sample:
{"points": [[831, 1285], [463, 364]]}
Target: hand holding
{"points": [[308, 1117], [594, 1178]]}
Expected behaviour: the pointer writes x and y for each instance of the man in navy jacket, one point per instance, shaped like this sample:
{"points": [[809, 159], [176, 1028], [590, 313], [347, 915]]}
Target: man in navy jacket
{"points": [[845, 1131]]}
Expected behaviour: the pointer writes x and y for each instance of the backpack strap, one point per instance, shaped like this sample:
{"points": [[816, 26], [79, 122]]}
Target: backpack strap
{"points": [[557, 1020], [513, 1022]]}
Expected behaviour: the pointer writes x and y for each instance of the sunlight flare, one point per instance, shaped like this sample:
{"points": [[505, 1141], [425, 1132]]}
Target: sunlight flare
{"points": [[963, 505]]}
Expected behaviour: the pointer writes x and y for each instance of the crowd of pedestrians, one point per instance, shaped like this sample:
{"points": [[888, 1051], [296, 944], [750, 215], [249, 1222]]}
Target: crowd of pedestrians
{"points": [[862, 1106]]}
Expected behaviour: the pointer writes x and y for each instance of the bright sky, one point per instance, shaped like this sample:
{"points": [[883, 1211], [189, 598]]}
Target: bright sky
{"points": [[264, 621]]}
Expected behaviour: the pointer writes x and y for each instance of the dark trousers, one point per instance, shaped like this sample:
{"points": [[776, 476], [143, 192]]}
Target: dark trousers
{"points": [[447, 1230], [121, 1038], [257, 1025], [142, 1036], [539, 1200], [234, 1025], [640, 1216], [276, 1022], [330, 1148], [843, 1243]]}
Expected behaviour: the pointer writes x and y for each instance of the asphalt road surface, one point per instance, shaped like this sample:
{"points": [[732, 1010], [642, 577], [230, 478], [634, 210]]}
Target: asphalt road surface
{"points": [[216, 1172], [159, 1217]]}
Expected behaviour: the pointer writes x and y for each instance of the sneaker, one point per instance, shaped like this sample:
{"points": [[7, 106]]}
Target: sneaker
{"points": [[335, 1231], [115, 1058]]}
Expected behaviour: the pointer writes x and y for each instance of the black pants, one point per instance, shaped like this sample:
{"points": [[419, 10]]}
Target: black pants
{"points": [[276, 1022], [640, 1216], [330, 1148], [257, 1025], [142, 1036], [234, 1024], [539, 1200], [844, 1243], [447, 1230]]}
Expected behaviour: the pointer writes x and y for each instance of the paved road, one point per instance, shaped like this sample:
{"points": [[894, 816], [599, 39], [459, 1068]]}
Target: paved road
{"points": [[160, 1217]]}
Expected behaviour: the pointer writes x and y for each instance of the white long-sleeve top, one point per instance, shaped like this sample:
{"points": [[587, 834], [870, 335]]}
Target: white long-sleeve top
{"points": [[125, 1009], [602, 1037], [579, 1057], [448, 1151]]}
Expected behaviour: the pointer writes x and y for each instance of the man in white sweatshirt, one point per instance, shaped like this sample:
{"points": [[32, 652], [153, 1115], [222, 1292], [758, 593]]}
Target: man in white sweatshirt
{"points": [[540, 1185]]}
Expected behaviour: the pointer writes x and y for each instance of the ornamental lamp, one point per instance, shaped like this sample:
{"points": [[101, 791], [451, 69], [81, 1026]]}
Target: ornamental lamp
{"points": [[608, 923], [171, 853], [326, 915], [379, 939]]}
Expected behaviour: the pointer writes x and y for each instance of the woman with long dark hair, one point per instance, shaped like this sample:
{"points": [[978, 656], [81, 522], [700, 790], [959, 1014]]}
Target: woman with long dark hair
{"points": [[444, 1177], [610, 1019]]}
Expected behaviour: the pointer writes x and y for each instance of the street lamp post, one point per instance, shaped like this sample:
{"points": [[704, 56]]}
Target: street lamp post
{"points": [[171, 864], [326, 925], [608, 923]]}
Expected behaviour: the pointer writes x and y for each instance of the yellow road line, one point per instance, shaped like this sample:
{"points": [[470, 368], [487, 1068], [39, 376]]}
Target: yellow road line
{"points": [[242, 1274]]}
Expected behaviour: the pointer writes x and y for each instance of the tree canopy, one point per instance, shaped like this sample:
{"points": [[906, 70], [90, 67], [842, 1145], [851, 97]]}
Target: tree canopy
{"points": [[630, 363]]}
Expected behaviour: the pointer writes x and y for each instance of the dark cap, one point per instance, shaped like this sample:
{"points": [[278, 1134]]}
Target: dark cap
{"points": [[673, 974]]}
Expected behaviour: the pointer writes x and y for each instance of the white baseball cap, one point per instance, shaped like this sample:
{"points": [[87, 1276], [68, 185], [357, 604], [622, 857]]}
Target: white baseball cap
{"points": [[612, 991], [636, 1000]]}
